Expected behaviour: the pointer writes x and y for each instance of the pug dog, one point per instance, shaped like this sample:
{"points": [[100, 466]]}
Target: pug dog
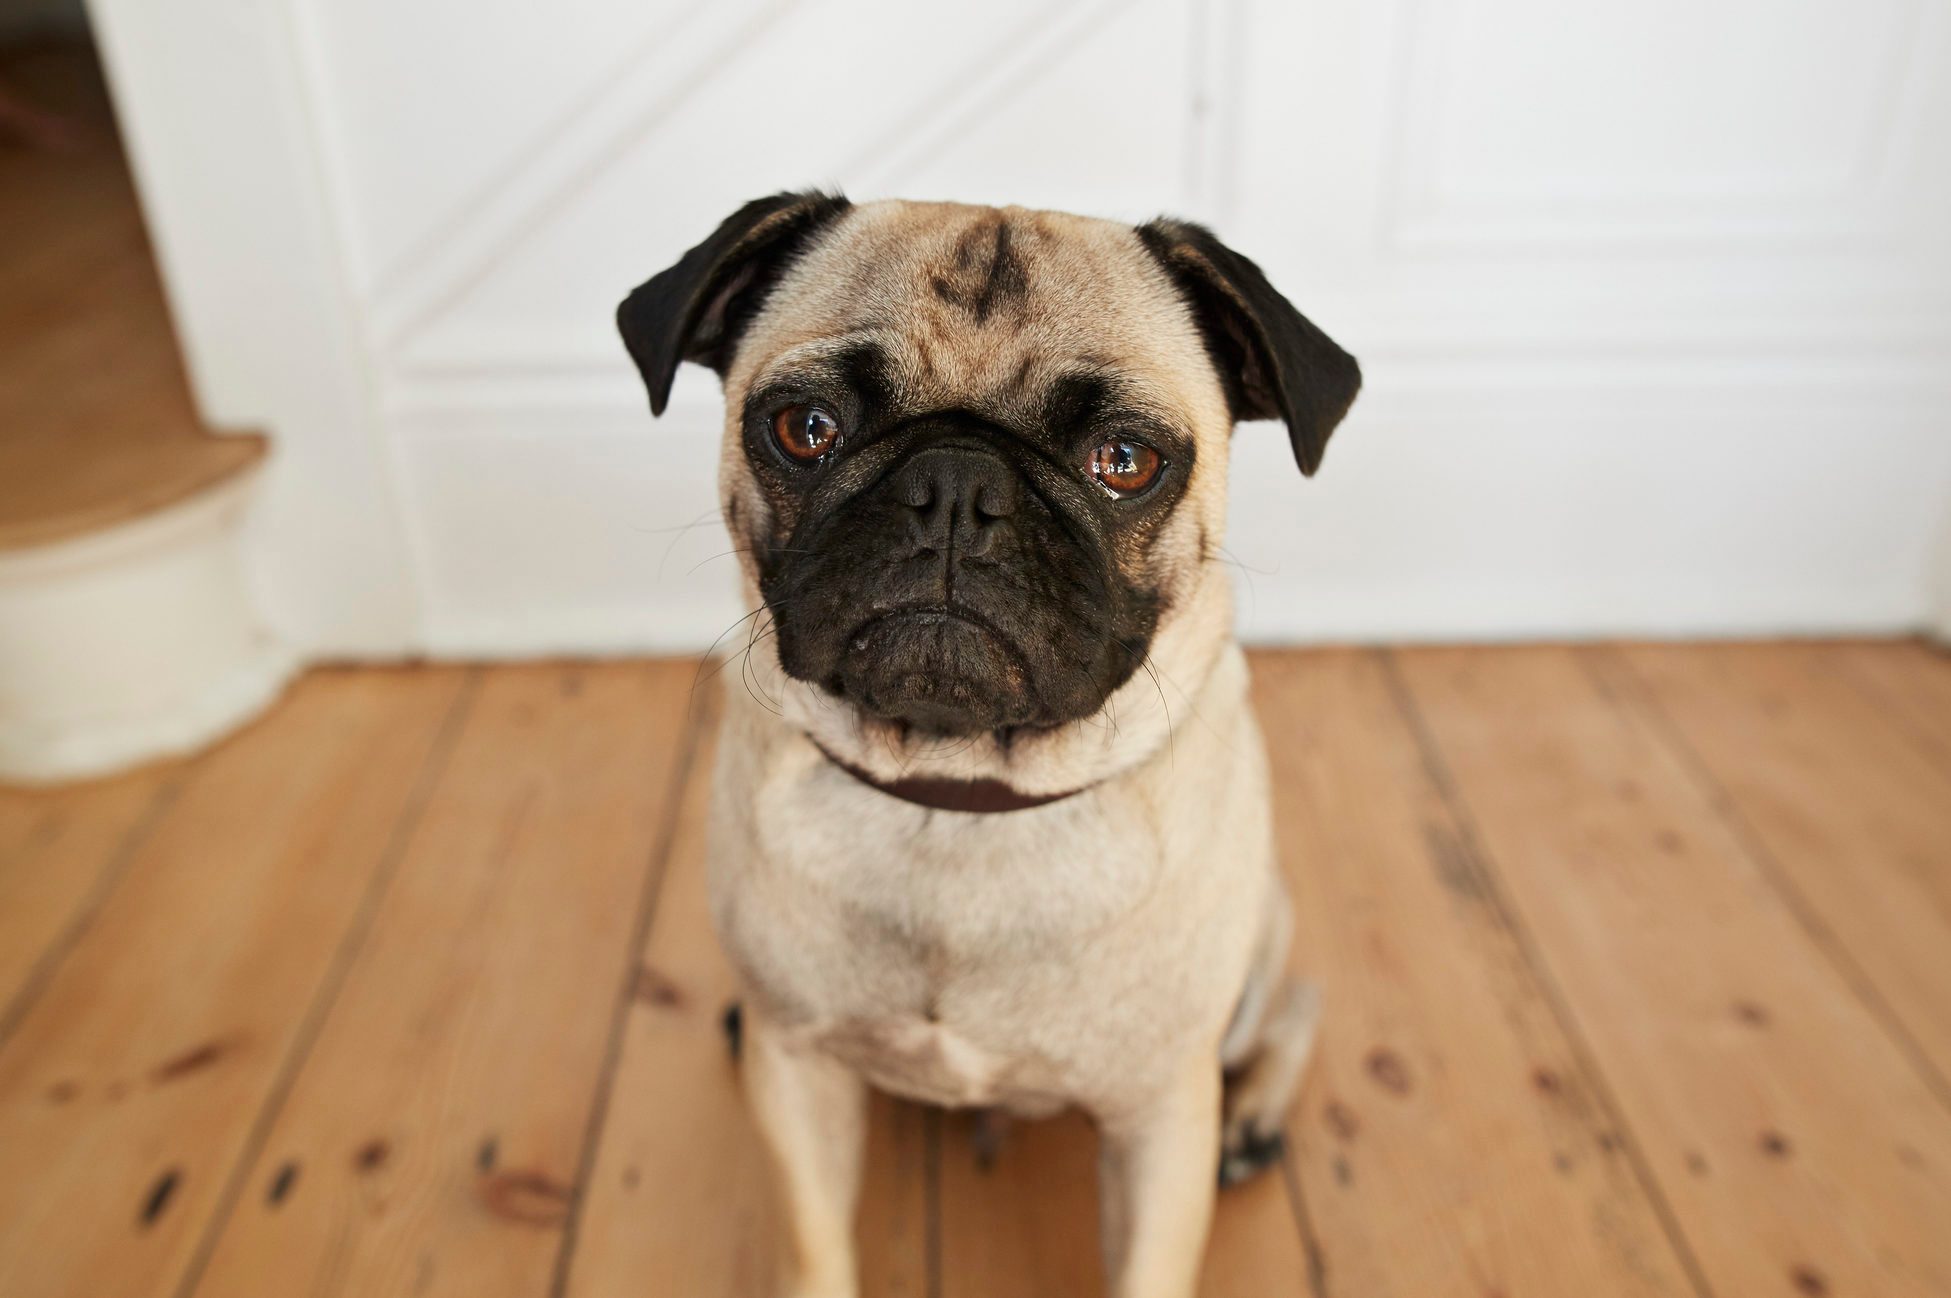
{"points": [[990, 820]]}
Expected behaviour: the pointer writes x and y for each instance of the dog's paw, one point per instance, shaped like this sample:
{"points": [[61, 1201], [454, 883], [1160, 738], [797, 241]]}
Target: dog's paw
{"points": [[1246, 1151], [987, 1130]]}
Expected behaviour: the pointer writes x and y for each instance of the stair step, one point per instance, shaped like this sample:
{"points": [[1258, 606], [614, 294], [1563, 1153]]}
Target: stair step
{"points": [[97, 426]]}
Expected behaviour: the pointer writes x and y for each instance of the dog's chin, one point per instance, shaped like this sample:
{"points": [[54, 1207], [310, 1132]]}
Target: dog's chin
{"points": [[937, 671]]}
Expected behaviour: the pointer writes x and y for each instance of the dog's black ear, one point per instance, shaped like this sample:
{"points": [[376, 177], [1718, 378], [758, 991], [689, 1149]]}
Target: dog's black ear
{"points": [[1271, 359], [696, 310]]}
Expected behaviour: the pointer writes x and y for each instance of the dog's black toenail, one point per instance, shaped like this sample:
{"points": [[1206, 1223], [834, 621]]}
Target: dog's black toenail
{"points": [[1254, 1154], [1264, 1148], [986, 1139], [733, 1023]]}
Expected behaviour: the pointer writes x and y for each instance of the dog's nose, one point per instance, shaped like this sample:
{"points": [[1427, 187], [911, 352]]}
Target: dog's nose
{"points": [[958, 494]]}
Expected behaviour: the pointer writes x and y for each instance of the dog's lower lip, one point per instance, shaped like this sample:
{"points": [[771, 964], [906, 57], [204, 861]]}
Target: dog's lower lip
{"points": [[926, 674], [928, 615]]}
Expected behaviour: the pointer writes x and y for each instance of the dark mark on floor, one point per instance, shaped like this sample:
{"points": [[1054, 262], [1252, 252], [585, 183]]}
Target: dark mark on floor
{"points": [[160, 1195], [189, 1061], [653, 988], [287, 1176], [1388, 1070], [1755, 1016]]}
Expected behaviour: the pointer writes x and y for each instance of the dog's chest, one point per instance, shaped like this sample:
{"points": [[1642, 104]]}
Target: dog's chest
{"points": [[944, 1006], [945, 959]]}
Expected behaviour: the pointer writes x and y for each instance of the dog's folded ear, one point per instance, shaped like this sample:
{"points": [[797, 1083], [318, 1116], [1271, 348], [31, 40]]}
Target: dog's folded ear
{"points": [[696, 310], [1273, 362]]}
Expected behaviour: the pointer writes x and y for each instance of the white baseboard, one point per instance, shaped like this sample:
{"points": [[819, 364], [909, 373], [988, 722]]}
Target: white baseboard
{"points": [[132, 643], [49, 753], [1444, 513]]}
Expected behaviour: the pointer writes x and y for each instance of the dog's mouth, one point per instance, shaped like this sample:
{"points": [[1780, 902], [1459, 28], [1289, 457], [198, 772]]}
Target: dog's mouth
{"points": [[939, 669]]}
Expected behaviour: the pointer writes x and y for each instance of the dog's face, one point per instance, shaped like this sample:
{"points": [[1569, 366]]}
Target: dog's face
{"points": [[976, 457]]}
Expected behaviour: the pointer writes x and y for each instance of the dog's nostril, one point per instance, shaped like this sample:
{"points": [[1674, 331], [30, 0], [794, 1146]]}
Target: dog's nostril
{"points": [[993, 500], [918, 490]]}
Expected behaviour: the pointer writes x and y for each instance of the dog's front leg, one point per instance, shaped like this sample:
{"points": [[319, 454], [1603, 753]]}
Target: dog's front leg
{"points": [[811, 1111], [1156, 1186]]}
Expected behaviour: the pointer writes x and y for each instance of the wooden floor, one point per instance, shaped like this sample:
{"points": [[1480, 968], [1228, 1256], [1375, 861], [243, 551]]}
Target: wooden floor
{"points": [[1638, 964]]}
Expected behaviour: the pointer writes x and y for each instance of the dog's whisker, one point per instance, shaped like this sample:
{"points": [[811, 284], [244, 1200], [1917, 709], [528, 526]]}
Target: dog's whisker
{"points": [[678, 534], [745, 549], [745, 667], [1171, 731], [1145, 661], [700, 676], [1226, 556], [679, 528], [1190, 703]]}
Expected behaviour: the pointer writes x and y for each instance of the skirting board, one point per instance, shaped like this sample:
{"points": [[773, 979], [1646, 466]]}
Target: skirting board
{"points": [[133, 643], [585, 527]]}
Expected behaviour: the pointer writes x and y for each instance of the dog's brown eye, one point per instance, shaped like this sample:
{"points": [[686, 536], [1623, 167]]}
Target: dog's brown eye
{"points": [[806, 432], [1124, 467]]}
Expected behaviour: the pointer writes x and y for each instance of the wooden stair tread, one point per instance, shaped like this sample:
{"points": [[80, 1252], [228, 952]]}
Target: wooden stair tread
{"points": [[96, 422]]}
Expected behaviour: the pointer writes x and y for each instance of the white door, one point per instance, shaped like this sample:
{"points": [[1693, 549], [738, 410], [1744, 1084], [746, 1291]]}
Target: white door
{"points": [[1653, 296]]}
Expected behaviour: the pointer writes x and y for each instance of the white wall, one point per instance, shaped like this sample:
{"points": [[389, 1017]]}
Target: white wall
{"points": [[1653, 296]]}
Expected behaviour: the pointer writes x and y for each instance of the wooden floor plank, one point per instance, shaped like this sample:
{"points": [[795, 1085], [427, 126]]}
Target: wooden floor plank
{"points": [[431, 1143], [1026, 1224], [1577, 914], [132, 1082], [60, 852], [1911, 681], [1840, 798], [1801, 1152], [680, 1199], [1452, 1141]]}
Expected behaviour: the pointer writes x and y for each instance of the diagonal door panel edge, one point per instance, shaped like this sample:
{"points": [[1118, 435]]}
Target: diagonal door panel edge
{"points": [[655, 80], [1023, 55], [641, 103]]}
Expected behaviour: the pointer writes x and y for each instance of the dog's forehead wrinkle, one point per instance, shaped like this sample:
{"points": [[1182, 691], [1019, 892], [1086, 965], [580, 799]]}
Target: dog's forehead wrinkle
{"points": [[817, 355], [986, 274]]}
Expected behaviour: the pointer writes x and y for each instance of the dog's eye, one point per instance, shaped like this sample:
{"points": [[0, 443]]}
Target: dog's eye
{"points": [[805, 432], [1124, 467]]}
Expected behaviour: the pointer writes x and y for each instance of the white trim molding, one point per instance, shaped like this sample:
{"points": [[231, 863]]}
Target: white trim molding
{"points": [[221, 135], [1938, 625]]}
